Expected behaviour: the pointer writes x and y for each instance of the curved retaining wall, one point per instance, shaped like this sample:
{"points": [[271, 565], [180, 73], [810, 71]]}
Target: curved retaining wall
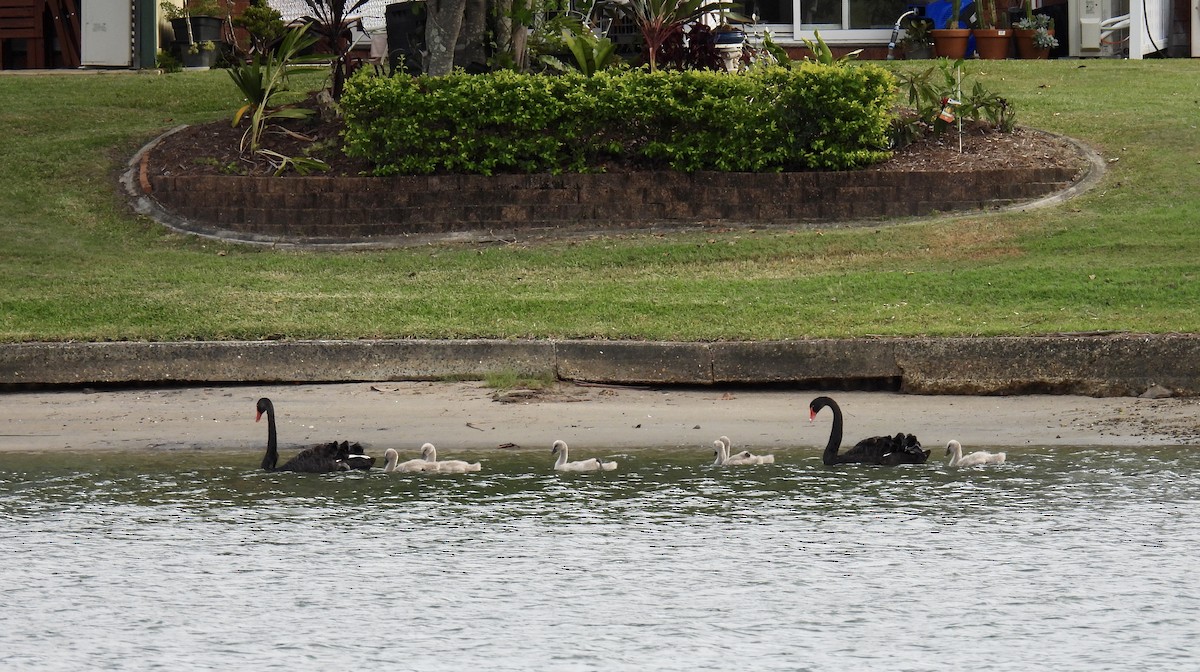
{"points": [[356, 210]]}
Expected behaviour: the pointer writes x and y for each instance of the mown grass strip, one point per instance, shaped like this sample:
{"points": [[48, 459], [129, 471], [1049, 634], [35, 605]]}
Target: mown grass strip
{"points": [[75, 265]]}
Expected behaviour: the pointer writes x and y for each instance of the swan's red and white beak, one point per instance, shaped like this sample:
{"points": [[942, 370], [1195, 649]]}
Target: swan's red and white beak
{"points": [[812, 415], [258, 416]]}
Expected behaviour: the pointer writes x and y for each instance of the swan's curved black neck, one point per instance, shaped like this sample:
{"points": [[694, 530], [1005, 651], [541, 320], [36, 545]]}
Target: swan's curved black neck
{"points": [[271, 458], [835, 434]]}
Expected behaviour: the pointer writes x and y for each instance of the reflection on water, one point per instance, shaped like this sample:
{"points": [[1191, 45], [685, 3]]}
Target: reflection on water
{"points": [[1060, 559]]}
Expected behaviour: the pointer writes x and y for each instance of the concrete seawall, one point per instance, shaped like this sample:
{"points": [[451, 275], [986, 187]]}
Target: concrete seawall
{"points": [[1095, 365]]}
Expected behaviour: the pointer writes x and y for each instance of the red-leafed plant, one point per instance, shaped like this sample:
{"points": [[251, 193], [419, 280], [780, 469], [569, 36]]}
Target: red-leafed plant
{"points": [[658, 20]]}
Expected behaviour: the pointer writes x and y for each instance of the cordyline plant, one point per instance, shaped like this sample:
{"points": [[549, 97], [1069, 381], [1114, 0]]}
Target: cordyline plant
{"points": [[333, 22], [259, 81], [658, 20]]}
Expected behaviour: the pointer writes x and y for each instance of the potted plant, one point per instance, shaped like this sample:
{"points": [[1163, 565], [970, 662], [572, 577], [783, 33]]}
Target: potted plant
{"points": [[917, 42], [991, 43], [1034, 35], [197, 26], [950, 41], [728, 41]]}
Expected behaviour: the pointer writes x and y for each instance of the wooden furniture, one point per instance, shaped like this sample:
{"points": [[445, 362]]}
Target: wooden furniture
{"points": [[38, 23]]}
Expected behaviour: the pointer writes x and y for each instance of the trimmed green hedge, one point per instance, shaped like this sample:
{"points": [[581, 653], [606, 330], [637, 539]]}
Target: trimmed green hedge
{"points": [[812, 117]]}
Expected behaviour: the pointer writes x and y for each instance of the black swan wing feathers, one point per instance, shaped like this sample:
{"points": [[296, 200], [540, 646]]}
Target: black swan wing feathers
{"points": [[318, 459], [868, 451], [906, 450], [356, 457]]}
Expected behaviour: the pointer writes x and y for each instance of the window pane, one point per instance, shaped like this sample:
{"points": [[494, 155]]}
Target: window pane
{"points": [[876, 13], [769, 11], [821, 12]]}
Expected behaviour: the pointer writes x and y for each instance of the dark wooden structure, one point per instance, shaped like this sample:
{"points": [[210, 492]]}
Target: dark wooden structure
{"points": [[47, 29]]}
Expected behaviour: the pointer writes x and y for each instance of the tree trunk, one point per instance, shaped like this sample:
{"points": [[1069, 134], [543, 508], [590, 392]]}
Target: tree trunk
{"points": [[520, 41], [504, 27], [444, 21], [470, 49]]}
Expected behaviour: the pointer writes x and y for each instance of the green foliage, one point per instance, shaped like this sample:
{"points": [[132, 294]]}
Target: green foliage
{"points": [[778, 55], [917, 33], [983, 103], [809, 117], [261, 80], [303, 165], [547, 40], [928, 92], [591, 53], [657, 20], [824, 55], [263, 23], [166, 62], [217, 8], [1033, 21], [955, 14], [821, 53], [527, 12], [1042, 39]]}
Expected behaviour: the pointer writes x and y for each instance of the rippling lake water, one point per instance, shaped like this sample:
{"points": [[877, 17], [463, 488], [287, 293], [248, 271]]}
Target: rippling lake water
{"points": [[1061, 559]]}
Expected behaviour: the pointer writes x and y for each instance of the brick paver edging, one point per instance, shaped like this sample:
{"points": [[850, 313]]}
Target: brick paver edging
{"points": [[392, 211]]}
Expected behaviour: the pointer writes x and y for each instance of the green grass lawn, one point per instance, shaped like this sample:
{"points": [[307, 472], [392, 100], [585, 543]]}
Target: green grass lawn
{"points": [[75, 265]]}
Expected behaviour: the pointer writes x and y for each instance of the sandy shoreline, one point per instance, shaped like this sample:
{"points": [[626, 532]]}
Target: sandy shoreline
{"points": [[465, 416]]}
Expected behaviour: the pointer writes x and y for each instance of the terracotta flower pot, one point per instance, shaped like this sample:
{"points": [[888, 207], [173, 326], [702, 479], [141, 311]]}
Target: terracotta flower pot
{"points": [[992, 43], [1025, 47], [950, 43]]}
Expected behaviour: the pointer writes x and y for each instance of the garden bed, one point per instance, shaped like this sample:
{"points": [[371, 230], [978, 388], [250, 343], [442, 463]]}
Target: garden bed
{"points": [[196, 180]]}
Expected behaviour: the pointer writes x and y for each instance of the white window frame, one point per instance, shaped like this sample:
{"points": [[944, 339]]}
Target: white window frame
{"points": [[836, 34]]}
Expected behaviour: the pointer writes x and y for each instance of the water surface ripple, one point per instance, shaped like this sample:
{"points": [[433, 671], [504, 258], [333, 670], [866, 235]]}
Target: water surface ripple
{"points": [[1061, 559]]}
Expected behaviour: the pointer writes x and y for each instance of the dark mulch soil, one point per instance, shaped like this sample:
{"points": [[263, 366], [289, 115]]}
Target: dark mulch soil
{"points": [[213, 149]]}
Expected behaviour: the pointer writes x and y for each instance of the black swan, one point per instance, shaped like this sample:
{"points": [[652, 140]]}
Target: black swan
{"points": [[889, 450], [332, 456]]}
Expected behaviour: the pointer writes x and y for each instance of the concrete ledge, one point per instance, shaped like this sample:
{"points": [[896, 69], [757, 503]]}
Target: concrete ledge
{"points": [[1101, 366], [634, 362], [805, 361], [1096, 365], [268, 361]]}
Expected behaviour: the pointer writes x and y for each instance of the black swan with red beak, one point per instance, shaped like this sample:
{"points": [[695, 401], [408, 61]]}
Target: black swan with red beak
{"points": [[889, 450], [332, 456]]}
